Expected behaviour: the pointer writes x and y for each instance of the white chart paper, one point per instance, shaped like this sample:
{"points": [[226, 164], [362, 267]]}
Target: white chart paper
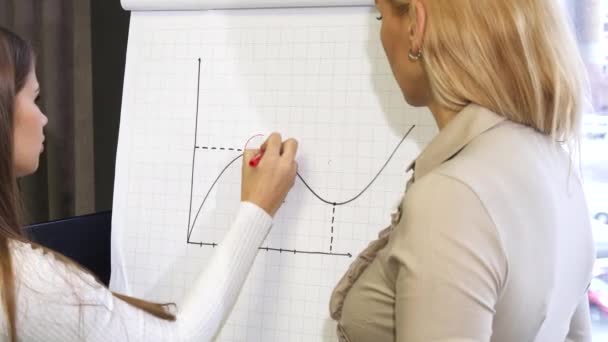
{"points": [[197, 86]]}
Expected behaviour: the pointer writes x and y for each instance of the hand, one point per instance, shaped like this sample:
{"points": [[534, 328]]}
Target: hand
{"points": [[267, 184]]}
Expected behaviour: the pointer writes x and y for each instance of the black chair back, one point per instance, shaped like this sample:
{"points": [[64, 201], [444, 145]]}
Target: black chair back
{"points": [[84, 239]]}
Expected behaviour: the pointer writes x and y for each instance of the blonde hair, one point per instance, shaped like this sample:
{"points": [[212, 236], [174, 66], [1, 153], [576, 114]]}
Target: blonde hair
{"points": [[518, 58]]}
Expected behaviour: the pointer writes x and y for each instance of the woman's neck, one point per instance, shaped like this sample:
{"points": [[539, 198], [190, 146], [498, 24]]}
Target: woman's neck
{"points": [[441, 114]]}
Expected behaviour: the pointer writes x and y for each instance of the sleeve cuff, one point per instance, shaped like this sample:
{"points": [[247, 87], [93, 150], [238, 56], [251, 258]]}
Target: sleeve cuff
{"points": [[256, 217]]}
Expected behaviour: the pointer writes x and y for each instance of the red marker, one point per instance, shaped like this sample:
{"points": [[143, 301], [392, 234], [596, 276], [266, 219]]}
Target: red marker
{"points": [[256, 159]]}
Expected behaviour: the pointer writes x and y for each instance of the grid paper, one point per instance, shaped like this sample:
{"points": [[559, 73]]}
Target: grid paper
{"points": [[319, 75]]}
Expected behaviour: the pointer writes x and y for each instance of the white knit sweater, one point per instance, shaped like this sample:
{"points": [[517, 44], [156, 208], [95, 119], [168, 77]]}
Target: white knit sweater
{"points": [[58, 303]]}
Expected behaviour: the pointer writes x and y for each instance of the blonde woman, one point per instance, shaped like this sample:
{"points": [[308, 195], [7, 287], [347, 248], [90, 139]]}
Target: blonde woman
{"points": [[492, 240]]}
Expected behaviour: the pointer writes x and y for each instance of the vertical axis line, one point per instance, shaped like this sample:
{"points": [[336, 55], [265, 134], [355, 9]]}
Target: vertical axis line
{"points": [[198, 86]]}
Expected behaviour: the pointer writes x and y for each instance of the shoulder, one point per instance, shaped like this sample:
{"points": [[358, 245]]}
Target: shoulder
{"points": [[444, 219], [441, 194], [456, 198], [57, 300], [446, 234], [500, 165], [507, 151], [42, 273], [441, 203]]}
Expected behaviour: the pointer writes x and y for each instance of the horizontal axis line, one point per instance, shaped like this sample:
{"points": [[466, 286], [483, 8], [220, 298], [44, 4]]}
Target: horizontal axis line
{"points": [[280, 250]]}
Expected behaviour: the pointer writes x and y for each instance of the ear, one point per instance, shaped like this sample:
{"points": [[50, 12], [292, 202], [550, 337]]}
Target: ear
{"points": [[418, 25]]}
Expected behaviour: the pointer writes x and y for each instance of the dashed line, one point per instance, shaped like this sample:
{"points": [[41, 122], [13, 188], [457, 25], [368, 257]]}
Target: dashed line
{"points": [[333, 220], [215, 148]]}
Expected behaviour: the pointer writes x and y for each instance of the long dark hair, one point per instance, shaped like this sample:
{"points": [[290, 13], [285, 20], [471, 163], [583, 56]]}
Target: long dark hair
{"points": [[16, 62]]}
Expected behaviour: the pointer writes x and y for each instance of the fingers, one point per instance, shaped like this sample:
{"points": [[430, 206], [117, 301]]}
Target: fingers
{"points": [[290, 148], [248, 154], [275, 146], [272, 145]]}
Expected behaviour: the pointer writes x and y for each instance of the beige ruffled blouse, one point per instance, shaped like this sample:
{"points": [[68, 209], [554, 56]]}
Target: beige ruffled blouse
{"points": [[491, 242]]}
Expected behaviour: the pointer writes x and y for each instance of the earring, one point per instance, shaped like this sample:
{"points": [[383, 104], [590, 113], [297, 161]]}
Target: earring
{"points": [[415, 56]]}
